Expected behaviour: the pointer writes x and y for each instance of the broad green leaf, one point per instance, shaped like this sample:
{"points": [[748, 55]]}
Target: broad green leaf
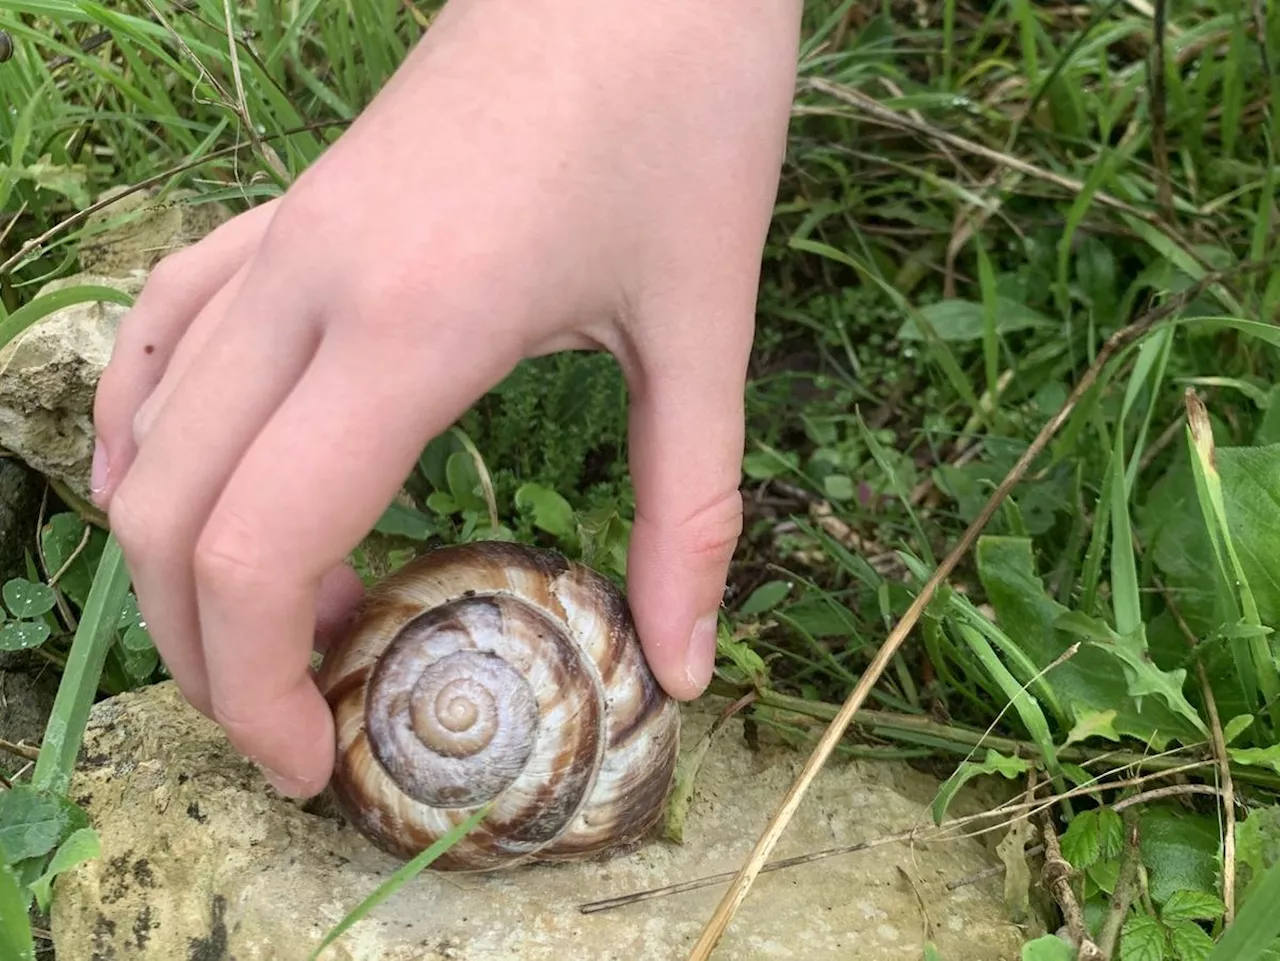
{"points": [[35, 822], [27, 599], [1192, 906], [963, 320], [1104, 673], [1180, 850], [551, 512]]}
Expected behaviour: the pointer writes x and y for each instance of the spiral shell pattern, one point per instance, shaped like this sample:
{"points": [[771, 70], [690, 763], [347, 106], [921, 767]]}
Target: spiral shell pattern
{"points": [[498, 672]]}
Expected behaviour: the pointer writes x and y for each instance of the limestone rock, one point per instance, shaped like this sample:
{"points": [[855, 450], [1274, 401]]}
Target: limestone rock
{"points": [[48, 376], [201, 860], [138, 230], [49, 373]]}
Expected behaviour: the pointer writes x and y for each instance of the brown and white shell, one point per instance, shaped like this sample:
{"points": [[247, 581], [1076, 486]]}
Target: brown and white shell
{"points": [[499, 671]]}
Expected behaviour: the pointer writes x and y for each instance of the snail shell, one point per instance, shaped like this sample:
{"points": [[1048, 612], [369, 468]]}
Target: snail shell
{"points": [[495, 671]]}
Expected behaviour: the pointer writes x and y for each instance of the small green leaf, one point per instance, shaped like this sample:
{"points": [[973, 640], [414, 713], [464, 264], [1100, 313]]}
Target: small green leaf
{"points": [[1192, 906], [80, 846], [765, 597], [551, 512], [404, 521], [963, 320], [27, 599], [23, 635], [1047, 947], [1236, 726]]}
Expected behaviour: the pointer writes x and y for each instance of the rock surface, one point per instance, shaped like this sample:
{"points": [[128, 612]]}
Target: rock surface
{"points": [[49, 372], [48, 376], [202, 861]]}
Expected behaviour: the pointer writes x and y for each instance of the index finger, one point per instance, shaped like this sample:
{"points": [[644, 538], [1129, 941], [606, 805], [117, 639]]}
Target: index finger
{"points": [[309, 487]]}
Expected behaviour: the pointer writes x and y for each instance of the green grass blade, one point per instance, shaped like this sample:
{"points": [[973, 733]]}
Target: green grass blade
{"points": [[401, 877], [79, 685]]}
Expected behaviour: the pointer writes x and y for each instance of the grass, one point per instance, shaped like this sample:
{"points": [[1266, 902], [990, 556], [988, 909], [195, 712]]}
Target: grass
{"points": [[975, 199]]}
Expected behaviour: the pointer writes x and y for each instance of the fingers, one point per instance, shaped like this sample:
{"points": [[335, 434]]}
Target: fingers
{"points": [[313, 482], [257, 351], [686, 440], [175, 293]]}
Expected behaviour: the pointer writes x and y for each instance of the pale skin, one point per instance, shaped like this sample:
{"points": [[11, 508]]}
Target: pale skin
{"points": [[539, 175]]}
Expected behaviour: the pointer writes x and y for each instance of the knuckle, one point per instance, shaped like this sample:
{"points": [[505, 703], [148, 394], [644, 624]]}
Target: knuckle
{"points": [[228, 555], [130, 525], [711, 532]]}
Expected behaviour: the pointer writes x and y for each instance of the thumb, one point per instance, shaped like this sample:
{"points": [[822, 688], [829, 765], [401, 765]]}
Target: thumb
{"points": [[686, 440]]}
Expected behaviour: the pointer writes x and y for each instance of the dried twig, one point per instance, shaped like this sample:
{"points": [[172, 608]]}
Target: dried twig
{"points": [[1056, 875], [1122, 895], [733, 898], [21, 750]]}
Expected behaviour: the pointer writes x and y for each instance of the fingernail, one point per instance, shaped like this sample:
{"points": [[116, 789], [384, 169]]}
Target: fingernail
{"points": [[700, 657], [288, 786], [98, 474]]}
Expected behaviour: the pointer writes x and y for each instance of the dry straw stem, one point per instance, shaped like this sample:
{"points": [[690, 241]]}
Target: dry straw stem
{"points": [[737, 892]]}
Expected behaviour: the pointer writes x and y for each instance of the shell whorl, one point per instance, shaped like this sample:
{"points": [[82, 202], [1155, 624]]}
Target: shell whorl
{"points": [[496, 671]]}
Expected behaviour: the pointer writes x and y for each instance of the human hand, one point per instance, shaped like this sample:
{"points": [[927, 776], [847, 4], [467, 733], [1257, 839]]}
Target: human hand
{"points": [[536, 177]]}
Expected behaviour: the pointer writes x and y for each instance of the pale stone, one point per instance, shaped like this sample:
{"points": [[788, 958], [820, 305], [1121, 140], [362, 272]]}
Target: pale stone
{"points": [[202, 861], [49, 373], [48, 377], [138, 230]]}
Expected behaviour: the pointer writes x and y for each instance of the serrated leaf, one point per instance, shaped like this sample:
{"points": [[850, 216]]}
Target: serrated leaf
{"points": [[1089, 681], [28, 599], [1190, 941], [33, 822], [23, 635], [995, 763], [1192, 906], [1080, 842], [1093, 724], [1142, 939]]}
